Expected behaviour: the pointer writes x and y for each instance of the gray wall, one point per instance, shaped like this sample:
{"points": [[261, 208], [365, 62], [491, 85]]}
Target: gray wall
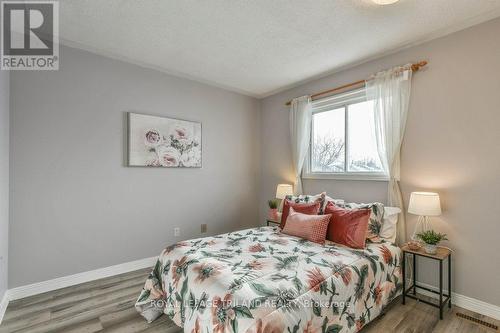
{"points": [[4, 179], [451, 146], [76, 207]]}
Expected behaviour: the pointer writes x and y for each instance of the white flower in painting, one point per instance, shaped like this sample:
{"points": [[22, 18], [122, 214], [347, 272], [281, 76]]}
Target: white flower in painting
{"points": [[168, 156], [191, 158], [152, 138], [152, 159]]}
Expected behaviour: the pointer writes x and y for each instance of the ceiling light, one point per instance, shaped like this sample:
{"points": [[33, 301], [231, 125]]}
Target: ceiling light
{"points": [[385, 2]]}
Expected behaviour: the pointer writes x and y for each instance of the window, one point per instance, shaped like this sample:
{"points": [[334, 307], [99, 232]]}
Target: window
{"points": [[343, 141]]}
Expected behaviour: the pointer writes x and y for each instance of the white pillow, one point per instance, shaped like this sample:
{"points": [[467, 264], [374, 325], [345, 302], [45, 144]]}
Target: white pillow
{"points": [[335, 201], [388, 231]]}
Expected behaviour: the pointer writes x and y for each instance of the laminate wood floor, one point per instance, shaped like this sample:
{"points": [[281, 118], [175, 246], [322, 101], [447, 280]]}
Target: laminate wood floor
{"points": [[107, 305]]}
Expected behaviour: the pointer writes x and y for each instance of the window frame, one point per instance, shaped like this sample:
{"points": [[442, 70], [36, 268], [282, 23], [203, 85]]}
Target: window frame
{"points": [[342, 100]]}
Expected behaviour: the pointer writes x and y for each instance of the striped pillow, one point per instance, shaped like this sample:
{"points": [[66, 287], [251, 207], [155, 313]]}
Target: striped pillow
{"points": [[320, 198], [310, 227]]}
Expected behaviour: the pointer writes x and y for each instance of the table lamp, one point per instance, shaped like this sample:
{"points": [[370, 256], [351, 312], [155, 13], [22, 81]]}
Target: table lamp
{"points": [[423, 204], [282, 190]]}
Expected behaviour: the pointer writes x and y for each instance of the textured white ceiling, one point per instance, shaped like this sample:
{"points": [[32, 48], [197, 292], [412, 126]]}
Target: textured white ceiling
{"points": [[258, 47]]}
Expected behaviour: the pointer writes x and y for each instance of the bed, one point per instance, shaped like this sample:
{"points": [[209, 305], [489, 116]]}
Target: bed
{"points": [[262, 281]]}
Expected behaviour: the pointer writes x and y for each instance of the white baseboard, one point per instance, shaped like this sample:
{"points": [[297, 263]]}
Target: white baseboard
{"points": [[3, 305], [71, 280], [469, 303]]}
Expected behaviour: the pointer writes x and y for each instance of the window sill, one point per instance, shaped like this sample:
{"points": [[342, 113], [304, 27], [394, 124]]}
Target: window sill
{"points": [[347, 176]]}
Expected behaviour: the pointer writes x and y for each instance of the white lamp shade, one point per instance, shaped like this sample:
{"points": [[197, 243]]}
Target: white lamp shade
{"points": [[283, 190], [424, 204]]}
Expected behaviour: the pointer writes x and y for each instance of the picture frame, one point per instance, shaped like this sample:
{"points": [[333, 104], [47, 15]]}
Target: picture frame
{"points": [[164, 142]]}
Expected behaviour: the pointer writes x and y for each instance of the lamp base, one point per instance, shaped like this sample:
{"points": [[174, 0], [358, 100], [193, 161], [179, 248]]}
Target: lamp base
{"points": [[421, 226]]}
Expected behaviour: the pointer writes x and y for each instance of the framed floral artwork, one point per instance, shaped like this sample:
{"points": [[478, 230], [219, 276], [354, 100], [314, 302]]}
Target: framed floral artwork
{"points": [[163, 142]]}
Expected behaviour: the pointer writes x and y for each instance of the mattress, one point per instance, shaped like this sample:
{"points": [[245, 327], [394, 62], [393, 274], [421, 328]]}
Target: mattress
{"points": [[260, 279]]}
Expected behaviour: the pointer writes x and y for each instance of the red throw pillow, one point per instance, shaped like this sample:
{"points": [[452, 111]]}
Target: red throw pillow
{"points": [[310, 227], [347, 226], [310, 208]]}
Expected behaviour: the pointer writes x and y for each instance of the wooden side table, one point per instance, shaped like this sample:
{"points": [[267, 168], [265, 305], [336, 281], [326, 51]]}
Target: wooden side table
{"points": [[441, 255], [269, 222]]}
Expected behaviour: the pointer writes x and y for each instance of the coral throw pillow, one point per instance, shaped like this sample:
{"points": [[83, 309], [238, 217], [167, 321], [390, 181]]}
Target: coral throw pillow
{"points": [[310, 227], [347, 226], [311, 208]]}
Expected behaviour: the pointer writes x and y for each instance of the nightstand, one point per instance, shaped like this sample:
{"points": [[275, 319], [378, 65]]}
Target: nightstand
{"points": [[441, 255], [270, 222]]}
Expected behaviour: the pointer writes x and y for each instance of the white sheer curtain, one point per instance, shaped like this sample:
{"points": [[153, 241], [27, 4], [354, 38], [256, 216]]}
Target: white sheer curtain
{"points": [[300, 135], [390, 91]]}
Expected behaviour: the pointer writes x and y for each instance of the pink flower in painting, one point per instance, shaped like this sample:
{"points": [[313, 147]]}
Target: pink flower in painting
{"points": [[182, 134], [168, 156], [152, 138]]}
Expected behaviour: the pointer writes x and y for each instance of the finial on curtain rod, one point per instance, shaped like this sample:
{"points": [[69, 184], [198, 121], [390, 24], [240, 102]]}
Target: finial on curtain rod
{"points": [[358, 84]]}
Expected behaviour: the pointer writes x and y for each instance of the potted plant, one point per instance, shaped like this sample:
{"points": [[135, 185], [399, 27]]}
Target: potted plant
{"points": [[431, 240], [273, 210]]}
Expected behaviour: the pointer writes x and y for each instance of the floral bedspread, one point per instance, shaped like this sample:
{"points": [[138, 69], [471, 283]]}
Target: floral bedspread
{"points": [[262, 281]]}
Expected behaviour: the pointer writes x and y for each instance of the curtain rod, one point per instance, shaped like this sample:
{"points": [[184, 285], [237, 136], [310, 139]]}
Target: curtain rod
{"points": [[414, 67]]}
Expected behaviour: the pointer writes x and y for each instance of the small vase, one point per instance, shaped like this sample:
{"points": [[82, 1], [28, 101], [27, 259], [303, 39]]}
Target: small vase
{"points": [[430, 248], [273, 214]]}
